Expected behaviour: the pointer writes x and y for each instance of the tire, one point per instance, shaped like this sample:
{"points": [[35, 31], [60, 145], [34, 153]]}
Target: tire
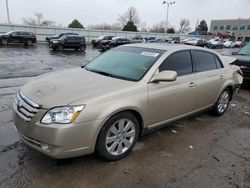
{"points": [[4, 41], [29, 42], [60, 47], [222, 103], [118, 136], [83, 48]]}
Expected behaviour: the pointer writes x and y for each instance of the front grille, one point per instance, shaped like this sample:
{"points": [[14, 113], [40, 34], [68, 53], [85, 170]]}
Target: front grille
{"points": [[246, 72], [25, 108]]}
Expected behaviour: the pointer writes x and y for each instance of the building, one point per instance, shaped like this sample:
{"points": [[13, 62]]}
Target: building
{"points": [[238, 28]]}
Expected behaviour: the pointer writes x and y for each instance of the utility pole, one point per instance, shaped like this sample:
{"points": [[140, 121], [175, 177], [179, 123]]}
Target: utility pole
{"points": [[8, 13], [168, 5]]}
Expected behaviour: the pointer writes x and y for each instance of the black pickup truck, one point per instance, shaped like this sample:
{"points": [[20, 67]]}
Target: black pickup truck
{"points": [[27, 38]]}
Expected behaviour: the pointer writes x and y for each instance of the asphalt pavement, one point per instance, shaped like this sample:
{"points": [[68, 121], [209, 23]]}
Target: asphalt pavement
{"points": [[200, 151]]}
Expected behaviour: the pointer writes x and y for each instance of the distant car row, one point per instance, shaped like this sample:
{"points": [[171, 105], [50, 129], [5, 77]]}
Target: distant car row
{"points": [[213, 43], [107, 42]]}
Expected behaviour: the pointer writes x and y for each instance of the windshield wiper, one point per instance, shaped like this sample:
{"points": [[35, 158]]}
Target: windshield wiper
{"points": [[100, 72], [241, 54]]}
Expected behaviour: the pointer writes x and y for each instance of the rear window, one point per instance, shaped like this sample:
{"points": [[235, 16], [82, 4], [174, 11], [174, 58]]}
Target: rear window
{"points": [[204, 61]]}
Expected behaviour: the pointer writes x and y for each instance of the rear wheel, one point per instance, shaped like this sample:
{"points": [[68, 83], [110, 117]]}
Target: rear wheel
{"points": [[83, 48], [222, 103], [29, 42], [118, 136], [4, 41]]}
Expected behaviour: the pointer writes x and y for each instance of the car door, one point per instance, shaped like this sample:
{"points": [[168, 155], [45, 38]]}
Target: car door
{"points": [[209, 78], [169, 100], [69, 41], [14, 37]]}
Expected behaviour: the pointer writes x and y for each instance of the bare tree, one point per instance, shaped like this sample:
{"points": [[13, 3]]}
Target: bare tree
{"points": [[105, 26], [38, 20], [184, 26], [131, 15], [158, 28], [143, 27]]}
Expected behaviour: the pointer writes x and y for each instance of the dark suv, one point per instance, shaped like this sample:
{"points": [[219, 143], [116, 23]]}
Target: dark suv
{"points": [[243, 56], [58, 36], [96, 42], [68, 41], [28, 38]]}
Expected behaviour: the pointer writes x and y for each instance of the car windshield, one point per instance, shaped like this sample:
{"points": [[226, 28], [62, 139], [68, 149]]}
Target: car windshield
{"points": [[128, 63], [62, 37], [245, 50], [8, 32], [101, 37]]}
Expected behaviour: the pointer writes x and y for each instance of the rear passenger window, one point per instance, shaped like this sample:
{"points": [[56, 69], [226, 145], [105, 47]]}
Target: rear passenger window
{"points": [[181, 62], [205, 61]]}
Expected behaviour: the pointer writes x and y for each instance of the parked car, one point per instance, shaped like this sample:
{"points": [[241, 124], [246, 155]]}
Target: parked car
{"points": [[137, 39], [107, 104], [191, 41], [243, 56], [117, 41], [158, 40], [173, 40], [96, 42], [239, 44], [68, 41], [229, 44], [196, 42], [148, 39], [27, 38], [215, 43], [58, 36]]}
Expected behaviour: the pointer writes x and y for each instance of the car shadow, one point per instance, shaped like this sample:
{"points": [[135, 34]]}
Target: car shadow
{"points": [[67, 52], [21, 46]]}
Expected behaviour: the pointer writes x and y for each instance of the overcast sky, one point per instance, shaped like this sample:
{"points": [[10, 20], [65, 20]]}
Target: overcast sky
{"points": [[99, 11]]}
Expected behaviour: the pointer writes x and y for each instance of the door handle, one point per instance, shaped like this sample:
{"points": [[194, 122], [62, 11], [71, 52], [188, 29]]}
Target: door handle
{"points": [[192, 84], [221, 77]]}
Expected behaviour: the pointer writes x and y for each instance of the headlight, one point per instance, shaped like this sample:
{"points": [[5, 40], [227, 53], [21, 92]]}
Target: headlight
{"points": [[55, 41], [63, 115]]}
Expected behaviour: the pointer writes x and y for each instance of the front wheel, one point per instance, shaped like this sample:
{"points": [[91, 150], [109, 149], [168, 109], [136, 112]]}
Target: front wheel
{"points": [[4, 41], [29, 42], [222, 103], [118, 136], [83, 48], [60, 47]]}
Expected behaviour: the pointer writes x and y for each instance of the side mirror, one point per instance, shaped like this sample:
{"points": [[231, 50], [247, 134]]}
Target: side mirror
{"points": [[234, 53], [164, 76]]}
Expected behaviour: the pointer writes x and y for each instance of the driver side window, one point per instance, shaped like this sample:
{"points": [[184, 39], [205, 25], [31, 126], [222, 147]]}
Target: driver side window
{"points": [[181, 62]]}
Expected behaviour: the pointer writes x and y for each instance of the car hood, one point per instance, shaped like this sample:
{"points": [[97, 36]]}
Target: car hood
{"points": [[243, 58], [65, 87]]}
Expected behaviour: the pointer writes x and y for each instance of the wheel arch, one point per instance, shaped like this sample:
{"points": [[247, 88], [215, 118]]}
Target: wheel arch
{"points": [[137, 115]]}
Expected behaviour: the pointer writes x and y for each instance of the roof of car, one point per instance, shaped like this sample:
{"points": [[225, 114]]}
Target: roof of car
{"points": [[168, 47]]}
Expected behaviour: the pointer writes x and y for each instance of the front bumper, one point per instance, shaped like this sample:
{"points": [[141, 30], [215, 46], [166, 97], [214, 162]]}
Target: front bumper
{"points": [[58, 140]]}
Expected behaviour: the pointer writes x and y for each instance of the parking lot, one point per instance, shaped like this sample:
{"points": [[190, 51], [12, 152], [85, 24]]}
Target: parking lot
{"points": [[200, 151]]}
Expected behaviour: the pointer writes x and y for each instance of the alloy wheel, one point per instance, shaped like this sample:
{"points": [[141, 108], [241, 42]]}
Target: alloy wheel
{"points": [[223, 101], [120, 137]]}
